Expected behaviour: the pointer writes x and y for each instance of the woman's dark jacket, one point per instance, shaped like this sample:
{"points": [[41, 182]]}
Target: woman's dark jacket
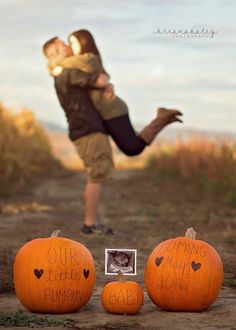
{"points": [[72, 87]]}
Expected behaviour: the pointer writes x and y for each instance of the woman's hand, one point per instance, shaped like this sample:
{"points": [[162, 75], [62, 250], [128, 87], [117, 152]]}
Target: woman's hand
{"points": [[102, 80], [109, 93]]}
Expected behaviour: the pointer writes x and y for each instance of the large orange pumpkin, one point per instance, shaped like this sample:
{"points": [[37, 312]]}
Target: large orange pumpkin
{"points": [[184, 274], [122, 297], [54, 275]]}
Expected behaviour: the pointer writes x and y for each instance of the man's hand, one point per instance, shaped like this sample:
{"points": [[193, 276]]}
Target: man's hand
{"points": [[102, 80], [109, 93]]}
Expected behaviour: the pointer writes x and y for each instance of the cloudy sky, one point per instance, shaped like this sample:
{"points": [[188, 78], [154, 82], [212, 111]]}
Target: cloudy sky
{"points": [[194, 74]]}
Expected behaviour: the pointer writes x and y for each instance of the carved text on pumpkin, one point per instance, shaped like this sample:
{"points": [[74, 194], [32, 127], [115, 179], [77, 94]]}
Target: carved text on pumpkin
{"points": [[170, 282], [62, 276], [123, 296], [61, 295], [184, 246], [62, 255]]}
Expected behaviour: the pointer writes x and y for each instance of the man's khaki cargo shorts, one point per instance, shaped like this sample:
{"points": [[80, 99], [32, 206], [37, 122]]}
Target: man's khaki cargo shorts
{"points": [[95, 151]]}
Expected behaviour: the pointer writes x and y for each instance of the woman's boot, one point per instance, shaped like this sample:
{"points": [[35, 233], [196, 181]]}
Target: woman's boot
{"points": [[164, 118]]}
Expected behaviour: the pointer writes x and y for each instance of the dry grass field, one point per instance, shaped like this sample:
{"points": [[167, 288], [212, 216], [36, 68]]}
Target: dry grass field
{"points": [[25, 150]]}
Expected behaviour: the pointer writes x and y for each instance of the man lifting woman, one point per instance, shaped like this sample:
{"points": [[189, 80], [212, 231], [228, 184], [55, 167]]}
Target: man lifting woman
{"points": [[93, 112]]}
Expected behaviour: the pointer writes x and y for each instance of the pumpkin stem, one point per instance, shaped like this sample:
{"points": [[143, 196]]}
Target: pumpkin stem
{"points": [[55, 233], [120, 276], [190, 233]]}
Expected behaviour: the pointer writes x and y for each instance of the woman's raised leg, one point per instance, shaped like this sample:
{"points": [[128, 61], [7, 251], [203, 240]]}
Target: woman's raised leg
{"points": [[122, 132], [131, 143]]}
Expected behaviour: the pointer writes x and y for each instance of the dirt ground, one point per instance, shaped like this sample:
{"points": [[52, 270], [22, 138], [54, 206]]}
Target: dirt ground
{"points": [[143, 213]]}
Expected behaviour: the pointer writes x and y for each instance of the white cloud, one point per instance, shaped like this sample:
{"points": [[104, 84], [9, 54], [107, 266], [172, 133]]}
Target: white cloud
{"points": [[157, 72]]}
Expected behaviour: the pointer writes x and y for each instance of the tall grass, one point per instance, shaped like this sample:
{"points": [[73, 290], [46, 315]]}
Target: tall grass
{"points": [[208, 163], [25, 151]]}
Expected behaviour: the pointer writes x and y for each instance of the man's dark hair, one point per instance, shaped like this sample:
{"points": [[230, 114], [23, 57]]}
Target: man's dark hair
{"points": [[47, 44]]}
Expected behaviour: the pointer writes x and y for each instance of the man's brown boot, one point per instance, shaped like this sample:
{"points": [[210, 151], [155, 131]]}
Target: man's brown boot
{"points": [[164, 117]]}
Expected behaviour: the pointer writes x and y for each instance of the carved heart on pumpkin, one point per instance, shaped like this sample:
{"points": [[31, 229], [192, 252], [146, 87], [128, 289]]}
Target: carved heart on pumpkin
{"points": [[195, 266], [38, 272], [158, 261], [86, 273]]}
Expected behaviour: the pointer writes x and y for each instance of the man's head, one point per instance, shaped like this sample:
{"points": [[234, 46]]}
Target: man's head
{"points": [[56, 47]]}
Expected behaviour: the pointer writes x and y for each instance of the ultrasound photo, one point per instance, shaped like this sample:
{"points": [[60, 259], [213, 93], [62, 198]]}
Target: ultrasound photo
{"points": [[123, 260]]}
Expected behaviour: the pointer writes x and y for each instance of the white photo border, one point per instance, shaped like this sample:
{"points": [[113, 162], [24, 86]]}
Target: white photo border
{"points": [[128, 250]]}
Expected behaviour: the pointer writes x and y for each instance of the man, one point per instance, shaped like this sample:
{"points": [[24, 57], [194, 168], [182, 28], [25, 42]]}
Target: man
{"points": [[86, 128]]}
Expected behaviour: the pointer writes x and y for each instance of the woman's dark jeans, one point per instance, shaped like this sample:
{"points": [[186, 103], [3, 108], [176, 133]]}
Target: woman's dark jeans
{"points": [[122, 132]]}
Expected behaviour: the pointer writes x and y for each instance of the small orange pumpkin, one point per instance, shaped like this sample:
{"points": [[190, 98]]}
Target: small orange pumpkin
{"points": [[122, 297], [184, 274], [54, 275]]}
